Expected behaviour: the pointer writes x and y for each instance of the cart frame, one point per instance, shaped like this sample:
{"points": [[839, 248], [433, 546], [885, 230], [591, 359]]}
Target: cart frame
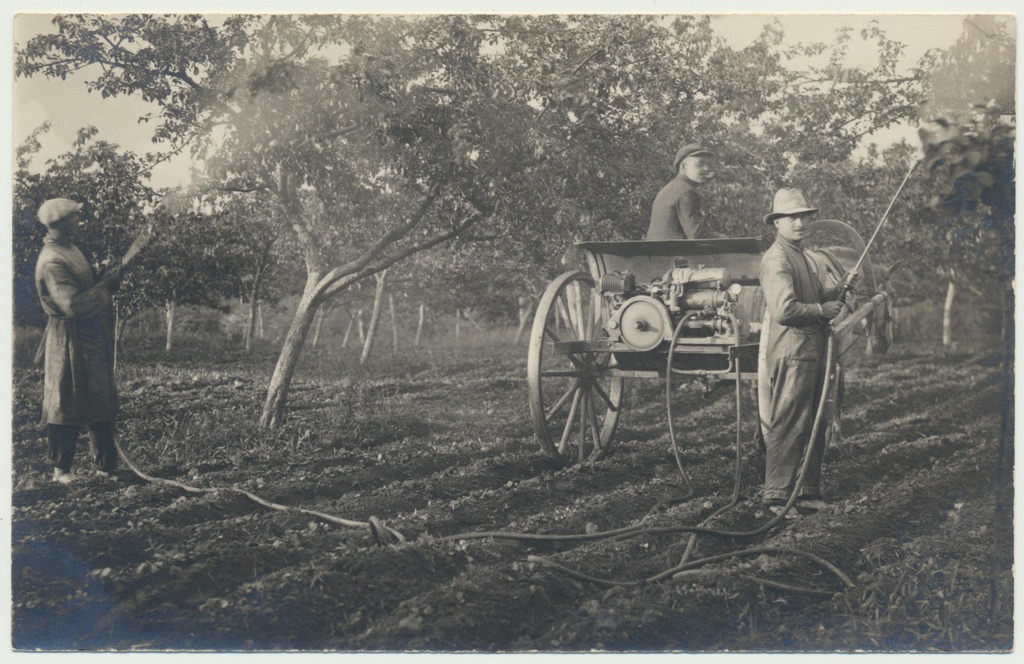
{"points": [[575, 405]]}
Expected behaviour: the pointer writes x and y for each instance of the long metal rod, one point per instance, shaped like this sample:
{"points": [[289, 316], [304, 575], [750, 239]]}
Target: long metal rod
{"points": [[885, 216]]}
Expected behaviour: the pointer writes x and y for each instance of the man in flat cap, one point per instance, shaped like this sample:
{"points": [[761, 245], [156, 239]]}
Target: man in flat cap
{"points": [[676, 213], [78, 388], [798, 311]]}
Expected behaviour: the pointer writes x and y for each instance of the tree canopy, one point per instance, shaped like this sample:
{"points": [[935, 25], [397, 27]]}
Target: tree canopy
{"points": [[377, 137]]}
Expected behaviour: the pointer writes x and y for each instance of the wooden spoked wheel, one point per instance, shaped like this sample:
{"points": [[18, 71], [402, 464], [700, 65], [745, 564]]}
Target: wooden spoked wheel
{"points": [[573, 400]]}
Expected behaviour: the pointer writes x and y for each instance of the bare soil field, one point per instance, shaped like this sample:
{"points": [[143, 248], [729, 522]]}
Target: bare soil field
{"points": [[910, 555]]}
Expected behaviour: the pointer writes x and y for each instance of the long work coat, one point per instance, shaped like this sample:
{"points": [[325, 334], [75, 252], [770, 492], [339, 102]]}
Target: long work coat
{"points": [[793, 350], [676, 213], [78, 387]]}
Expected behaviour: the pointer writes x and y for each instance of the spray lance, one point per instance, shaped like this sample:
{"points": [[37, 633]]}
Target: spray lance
{"points": [[174, 204], [934, 135], [141, 240], [867, 247]]}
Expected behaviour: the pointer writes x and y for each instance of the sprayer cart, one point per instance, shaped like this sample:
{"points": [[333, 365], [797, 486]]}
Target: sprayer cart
{"points": [[658, 309]]}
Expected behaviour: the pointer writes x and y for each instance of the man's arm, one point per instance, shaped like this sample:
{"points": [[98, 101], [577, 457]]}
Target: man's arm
{"points": [[780, 295], [689, 216], [664, 220], [62, 290]]}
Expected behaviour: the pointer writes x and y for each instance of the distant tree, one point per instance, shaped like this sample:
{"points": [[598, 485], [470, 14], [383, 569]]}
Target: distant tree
{"points": [[978, 71], [620, 94], [972, 169], [475, 275], [350, 123], [258, 260], [187, 263], [969, 154]]}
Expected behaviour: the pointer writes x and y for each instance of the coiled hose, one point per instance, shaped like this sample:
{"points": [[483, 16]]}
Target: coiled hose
{"points": [[638, 530]]}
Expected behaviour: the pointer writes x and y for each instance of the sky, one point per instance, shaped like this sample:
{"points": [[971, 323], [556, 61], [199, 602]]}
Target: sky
{"points": [[68, 106]]}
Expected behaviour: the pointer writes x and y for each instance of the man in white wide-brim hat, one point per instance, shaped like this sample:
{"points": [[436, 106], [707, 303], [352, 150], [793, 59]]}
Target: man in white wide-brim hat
{"points": [[78, 387], [798, 309]]}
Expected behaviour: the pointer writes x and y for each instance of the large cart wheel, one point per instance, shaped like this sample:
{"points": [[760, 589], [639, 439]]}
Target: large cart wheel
{"points": [[574, 402]]}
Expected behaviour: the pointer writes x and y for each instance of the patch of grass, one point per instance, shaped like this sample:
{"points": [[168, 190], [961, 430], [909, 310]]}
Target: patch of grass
{"points": [[941, 592], [194, 438], [367, 414], [26, 343], [926, 604], [322, 418], [922, 322]]}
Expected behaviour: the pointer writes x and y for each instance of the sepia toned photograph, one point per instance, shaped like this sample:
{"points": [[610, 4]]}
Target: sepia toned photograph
{"points": [[351, 330]]}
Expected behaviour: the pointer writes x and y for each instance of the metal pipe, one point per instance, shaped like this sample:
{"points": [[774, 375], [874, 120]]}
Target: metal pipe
{"points": [[860, 260]]}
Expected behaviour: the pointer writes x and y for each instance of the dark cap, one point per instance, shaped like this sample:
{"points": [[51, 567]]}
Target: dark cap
{"points": [[688, 151]]}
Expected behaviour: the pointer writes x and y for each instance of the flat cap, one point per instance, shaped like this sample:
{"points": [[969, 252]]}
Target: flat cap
{"points": [[56, 209], [688, 150]]}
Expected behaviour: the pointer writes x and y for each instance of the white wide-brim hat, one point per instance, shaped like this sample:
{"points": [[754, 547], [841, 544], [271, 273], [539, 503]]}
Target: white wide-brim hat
{"points": [[788, 201]]}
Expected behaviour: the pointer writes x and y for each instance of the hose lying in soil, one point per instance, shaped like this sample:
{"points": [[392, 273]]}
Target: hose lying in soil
{"points": [[639, 529], [680, 571], [384, 535], [381, 533]]}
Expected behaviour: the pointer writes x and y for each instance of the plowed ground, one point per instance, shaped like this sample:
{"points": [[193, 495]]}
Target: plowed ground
{"points": [[440, 444]]}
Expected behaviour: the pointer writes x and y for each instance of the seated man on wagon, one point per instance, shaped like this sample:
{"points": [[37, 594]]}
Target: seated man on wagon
{"points": [[676, 213]]}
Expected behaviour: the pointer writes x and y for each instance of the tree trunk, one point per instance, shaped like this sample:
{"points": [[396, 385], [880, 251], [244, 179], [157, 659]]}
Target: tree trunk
{"points": [[394, 326], [525, 307], [250, 327], [321, 313], [1006, 322], [359, 326], [170, 310], [322, 283], [119, 325], [348, 328], [947, 314], [248, 324], [259, 321], [458, 316], [254, 301], [371, 332], [419, 324], [472, 320], [281, 380]]}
